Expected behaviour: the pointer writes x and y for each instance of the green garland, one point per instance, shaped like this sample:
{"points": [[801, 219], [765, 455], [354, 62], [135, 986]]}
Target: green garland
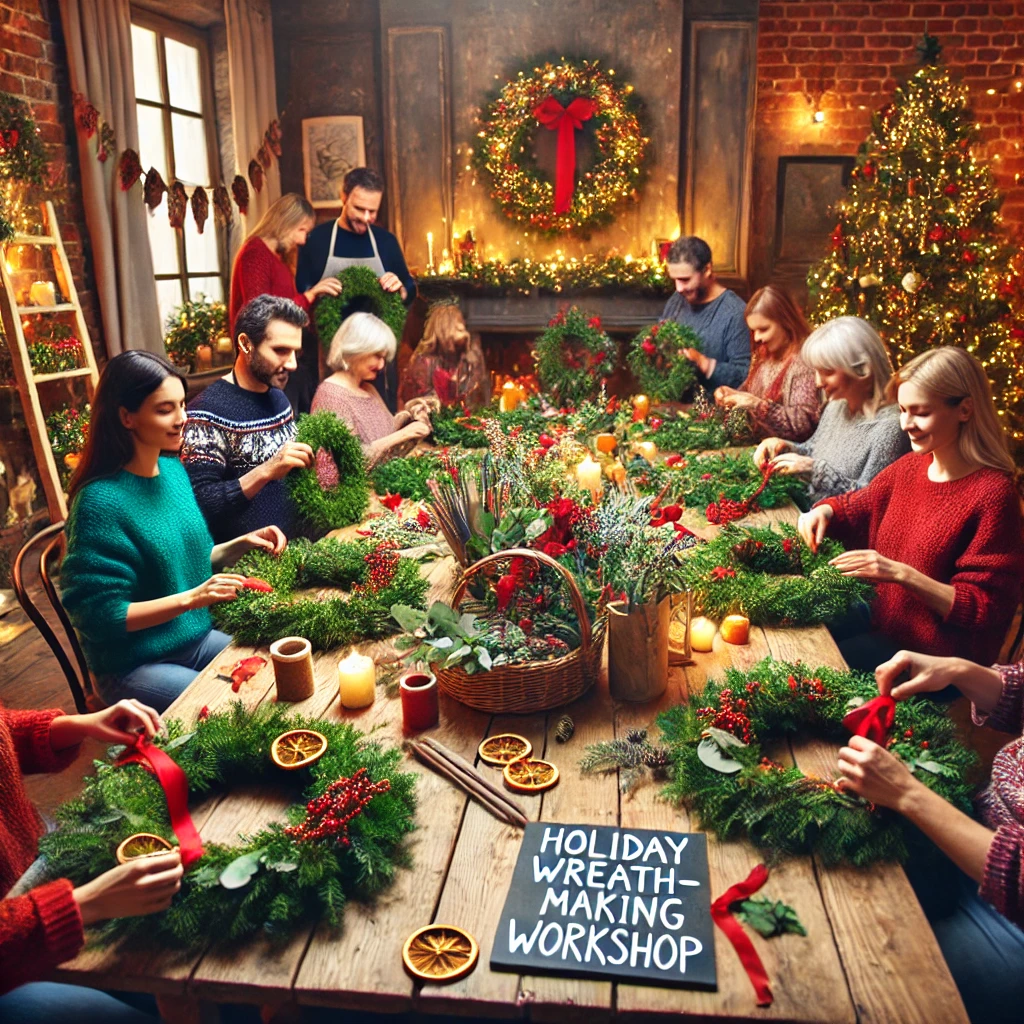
{"points": [[290, 882], [772, 578], [358, 283], [716, 745], [406, 476], [22, 156], [378, 578], [655, 358], [573, 357], [453, 426], [343, 504]]}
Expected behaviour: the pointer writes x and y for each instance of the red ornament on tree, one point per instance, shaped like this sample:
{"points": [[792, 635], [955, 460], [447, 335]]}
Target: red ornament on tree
{"points": [[952, 189], [937, 233]]}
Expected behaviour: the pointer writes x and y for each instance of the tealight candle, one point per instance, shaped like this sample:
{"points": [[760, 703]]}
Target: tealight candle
{"points": [[735, 629], [702, 634], [357, 680], [509, 396], [641, 407], [649, 450], [605, 443], [41, 293], [588, 475], [419, 701]]}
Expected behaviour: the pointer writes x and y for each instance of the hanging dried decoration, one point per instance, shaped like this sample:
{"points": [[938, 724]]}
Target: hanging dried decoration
{"points": [[240, 190], [200, 204], [108, 142], [256, 175], [274, 134], [129, 169], [222, 205], [177, 201], [86, 115], [154, 188], [263, 155], [273, 141]]}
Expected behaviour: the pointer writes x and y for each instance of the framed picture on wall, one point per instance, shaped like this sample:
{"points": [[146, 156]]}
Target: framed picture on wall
{"points": [[331, 147], [807, 191]]}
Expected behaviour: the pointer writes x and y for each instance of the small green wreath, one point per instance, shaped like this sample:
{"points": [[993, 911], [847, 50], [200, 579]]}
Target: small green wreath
{"points": [[660, 369], [358, 283], [343, 504], [375, 576], [716, 749], [573, 357], [772, 578]]}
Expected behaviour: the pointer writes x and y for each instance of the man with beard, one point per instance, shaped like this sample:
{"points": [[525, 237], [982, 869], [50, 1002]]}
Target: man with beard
{"points": [[711, 311], [239, 440]]}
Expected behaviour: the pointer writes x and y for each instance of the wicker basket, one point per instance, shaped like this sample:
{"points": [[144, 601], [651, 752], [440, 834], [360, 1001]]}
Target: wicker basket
{"points": [[533, 685]]}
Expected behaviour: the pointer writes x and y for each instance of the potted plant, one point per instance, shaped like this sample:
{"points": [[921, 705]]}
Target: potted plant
{"points": [[191, 330]]}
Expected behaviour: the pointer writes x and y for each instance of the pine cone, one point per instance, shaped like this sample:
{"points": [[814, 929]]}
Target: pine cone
{"points": [[658, 760], [636, 735], [565, 728]]}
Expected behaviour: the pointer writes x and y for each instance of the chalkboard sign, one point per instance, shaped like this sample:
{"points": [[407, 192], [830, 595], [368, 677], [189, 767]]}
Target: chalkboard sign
{"points": [[602, 902]]}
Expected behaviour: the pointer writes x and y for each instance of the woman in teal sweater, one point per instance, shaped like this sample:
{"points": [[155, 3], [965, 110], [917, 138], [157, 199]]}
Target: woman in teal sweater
{"points": [[141, 569]]}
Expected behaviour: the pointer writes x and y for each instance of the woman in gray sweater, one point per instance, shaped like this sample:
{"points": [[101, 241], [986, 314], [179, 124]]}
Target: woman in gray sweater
{"points": [[859, 432]]}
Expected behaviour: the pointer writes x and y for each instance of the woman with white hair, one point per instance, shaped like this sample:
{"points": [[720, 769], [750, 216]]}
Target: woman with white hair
{"points": [[859, 432], [361, 348]]}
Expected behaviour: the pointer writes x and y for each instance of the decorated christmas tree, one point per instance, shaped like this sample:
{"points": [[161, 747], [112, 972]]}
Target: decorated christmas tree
{"points": [[919, 249]]}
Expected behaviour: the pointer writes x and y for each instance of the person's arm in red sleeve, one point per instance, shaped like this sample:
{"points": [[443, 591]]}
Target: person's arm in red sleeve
{"points": [[30, 731], [38, 931]]}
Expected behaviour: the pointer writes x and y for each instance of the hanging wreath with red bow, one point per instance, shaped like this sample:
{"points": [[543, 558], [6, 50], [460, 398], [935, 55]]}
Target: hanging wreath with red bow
{"points": [[564, 97]]}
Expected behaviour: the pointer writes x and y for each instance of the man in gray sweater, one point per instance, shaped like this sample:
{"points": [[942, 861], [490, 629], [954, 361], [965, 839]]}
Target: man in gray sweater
{"points": [[711, 311]]}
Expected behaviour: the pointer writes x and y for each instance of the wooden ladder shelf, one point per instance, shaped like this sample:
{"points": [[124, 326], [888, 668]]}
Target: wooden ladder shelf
{"points": [[26, 379]]}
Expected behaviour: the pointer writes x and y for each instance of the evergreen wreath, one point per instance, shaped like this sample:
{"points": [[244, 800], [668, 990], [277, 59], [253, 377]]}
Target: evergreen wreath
{"points": [[358, 283], [771, 577], [343, 504], [374, 574], [658, 365], [716, 746], [502, 153], [573, 357], [272, 881]]}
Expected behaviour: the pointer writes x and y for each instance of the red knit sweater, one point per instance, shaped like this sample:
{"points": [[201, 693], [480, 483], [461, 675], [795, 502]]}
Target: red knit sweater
{"points": [[258, 271], [968, 533], [44, 927]]}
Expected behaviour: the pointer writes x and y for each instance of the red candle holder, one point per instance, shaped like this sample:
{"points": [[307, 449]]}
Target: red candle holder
{"points": [[419, 701]]}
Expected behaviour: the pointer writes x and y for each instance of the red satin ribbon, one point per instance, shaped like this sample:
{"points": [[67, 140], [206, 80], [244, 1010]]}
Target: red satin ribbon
{"points": [[565, 120], [873, 719], [175, 786], [722, 916]]}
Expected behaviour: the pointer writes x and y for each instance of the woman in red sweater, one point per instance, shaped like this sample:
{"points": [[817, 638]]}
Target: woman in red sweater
{"points": [[261, 266], [43, 926], [939, 532]]}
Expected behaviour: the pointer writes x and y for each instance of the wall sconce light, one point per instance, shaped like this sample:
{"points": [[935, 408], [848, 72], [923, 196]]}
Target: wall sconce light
{"points": [[819, 116]]}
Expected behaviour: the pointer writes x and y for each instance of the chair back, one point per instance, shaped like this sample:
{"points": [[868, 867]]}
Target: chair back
{"points": [[40, 555]]}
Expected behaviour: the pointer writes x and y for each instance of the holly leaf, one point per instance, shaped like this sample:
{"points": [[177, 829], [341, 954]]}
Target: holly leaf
{"points": [[769, 917], [240, 871]]}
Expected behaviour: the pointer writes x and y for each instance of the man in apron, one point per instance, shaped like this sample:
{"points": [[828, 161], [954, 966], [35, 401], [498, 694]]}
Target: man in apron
{"points": [[350, 241]]}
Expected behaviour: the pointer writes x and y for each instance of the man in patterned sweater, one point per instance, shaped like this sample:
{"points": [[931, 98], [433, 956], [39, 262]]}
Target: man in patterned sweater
{"points": [[239, 441]]}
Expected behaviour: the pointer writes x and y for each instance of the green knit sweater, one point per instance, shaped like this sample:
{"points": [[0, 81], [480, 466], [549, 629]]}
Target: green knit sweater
{"points": [[134, 538]]}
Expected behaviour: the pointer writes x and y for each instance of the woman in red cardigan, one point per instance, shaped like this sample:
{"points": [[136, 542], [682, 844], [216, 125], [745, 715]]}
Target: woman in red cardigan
{"points": [[939, 532], [43, 927], [261, 266]]}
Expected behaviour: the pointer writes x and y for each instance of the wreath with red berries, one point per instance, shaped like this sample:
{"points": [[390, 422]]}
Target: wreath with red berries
{"points": [[718, 766], [657, 362], [573, 357]]}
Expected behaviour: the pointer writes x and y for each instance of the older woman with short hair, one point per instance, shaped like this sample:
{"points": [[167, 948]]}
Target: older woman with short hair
{"points": [[859, 432], [360, 349]]}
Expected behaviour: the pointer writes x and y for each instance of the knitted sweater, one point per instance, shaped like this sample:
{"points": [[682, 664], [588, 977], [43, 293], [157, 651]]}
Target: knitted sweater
{"points": [[849, 451], [967, 532], [229, 432], [258, 271], [43, 928], [796, 414], [134, 538], [723, 333]]}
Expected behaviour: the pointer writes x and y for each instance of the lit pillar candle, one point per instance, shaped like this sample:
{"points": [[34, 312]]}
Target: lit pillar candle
{"points": [[42, 293], [736, 629], [509, 396], [430, 250], [588, 475], [649, 450], [702, 634], [357, 680], [641, 407]]}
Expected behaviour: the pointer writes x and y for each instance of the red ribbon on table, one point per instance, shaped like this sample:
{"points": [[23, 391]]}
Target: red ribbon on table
{"points": [[175, 786], [722, 916], [874, 719], [565, 120]]}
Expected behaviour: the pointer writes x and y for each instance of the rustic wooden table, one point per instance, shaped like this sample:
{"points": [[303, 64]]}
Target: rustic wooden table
{"points": [[870, 955]]}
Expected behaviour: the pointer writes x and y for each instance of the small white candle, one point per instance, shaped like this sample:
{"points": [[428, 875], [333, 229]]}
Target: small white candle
{"points": [[41, 293], [588, 474], [430, 250], [357, 680], [702, 634]]}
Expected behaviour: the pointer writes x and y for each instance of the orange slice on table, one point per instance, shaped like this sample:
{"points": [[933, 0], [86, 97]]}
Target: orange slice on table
{"points": [[504, 747], [440, 952], [142, 844], [530, 775], [298, 749]]}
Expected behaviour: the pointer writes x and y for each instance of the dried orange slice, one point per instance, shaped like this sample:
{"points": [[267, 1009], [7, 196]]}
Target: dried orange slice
{"points": [[298, 749], [440, 952], [530, 775], [142, 844], [505, 747]]}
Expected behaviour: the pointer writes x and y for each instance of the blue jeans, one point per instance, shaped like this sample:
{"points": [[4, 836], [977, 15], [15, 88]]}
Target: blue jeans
{"points": [[46, 1002], [160, 683]]}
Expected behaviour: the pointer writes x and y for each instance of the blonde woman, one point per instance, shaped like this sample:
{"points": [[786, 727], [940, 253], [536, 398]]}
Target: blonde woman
{"points": [[939, 532], [361, 348], [448, 363], [262, 264], [859, 432]]}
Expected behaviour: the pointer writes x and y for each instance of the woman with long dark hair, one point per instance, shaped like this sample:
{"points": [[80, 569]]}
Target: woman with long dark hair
{"points": [[141, 569]]}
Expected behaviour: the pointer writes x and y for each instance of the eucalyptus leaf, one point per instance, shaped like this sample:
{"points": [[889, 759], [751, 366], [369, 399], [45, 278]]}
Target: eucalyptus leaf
{"points": [[459, 652], [934, 767], [440, 615], [710, 754], [441, 643], [537, 527], [467, 623], [410, 619], [180, 741], [240, 871], [484, 657]]}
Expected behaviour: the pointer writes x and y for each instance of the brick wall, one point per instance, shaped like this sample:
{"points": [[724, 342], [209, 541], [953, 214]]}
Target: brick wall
{"points": [[33, 66], [846, 58]]}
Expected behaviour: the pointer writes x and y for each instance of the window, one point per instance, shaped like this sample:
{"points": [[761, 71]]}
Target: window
{"points": [[177, 137]]}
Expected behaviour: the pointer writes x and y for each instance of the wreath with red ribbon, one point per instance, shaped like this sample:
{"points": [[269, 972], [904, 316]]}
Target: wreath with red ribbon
{"points": [[573, 357], [656, 359], [562, 96]]}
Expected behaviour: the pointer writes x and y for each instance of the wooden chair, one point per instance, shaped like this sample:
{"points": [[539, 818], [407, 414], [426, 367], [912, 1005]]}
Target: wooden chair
{"points": [[39, 554]]}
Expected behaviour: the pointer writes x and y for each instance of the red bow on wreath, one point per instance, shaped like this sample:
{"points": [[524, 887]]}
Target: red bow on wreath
{"points": [[565, 120]]}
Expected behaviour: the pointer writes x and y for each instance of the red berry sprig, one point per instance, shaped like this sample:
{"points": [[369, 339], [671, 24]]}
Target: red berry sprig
{"points": [[328, 815]]}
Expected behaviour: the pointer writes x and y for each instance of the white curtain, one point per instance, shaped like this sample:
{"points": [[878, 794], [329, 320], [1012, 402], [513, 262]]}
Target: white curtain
{"points": [[98, 37], [253, 94]]}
